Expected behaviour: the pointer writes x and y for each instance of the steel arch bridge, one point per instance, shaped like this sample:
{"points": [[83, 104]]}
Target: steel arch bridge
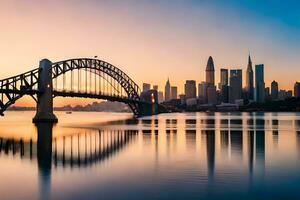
{"points": [[80, 77]]}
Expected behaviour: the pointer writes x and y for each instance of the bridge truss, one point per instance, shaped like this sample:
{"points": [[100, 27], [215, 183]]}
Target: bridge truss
{"points": [[81, 77]]}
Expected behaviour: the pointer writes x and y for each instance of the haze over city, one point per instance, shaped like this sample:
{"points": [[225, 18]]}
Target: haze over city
{"points": [[152, 41]]}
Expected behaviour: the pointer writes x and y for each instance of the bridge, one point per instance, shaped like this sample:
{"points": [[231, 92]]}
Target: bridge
{"points": [[82, 78], [78, 150]]}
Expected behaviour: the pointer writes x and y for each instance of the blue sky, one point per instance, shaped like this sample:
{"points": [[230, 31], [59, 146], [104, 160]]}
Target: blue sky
{"points": [[172, 38]]}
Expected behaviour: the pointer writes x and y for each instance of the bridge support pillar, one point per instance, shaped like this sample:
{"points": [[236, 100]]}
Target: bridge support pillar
{"points": [[44, 107]]}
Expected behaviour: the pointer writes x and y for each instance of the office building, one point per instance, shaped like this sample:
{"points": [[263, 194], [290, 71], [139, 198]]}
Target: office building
{"points": [[223, 77], [210, 72], [297, 89], [224, 89], [160, 96], [267, 93], [283, 94], [224, 94], [190, 89], [202, 92], [167, 91], [235, 88], [182, 99], [150, 96], [173, 92], [259, 83], [211, 95], [274, 90], [249, 80]]}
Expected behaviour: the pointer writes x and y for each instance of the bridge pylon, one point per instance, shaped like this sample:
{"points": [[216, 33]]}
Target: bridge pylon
{"points": [[44, 107]]}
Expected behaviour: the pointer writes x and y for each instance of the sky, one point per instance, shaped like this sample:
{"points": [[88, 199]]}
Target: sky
{"points": [[152, 40]]}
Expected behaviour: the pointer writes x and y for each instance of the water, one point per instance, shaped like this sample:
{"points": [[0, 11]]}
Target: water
{"points": [[169, 156]]}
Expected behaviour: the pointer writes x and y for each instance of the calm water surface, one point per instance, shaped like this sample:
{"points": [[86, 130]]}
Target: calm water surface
{"points": [[169, 156]]}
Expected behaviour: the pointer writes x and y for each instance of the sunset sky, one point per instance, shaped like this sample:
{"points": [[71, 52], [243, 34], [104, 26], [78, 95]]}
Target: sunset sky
{"points": [[152, 40]]}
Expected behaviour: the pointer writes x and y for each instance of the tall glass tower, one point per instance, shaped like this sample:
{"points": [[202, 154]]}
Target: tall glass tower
{"points": [[210, 72], [249, 80], [259, 83], [167, 90]]}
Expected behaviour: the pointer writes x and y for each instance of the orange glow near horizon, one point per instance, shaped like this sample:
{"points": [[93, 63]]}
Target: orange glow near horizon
{"points": [[148, 47]]}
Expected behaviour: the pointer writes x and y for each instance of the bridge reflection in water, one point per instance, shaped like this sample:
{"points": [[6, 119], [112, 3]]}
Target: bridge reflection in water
{"points": [[77, 150], [214, 147], [235, 137]]}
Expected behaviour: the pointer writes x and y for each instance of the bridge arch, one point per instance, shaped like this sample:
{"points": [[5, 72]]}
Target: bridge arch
{"points": [[121, 81], [30, 83]]}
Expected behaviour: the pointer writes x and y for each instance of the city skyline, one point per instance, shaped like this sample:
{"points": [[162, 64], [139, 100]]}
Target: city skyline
{"points": [[146, 40], [149, 99]]}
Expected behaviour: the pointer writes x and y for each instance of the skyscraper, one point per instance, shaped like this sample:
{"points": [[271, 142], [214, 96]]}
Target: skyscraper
{"points": [[224, 86], [210, 81], [297, 89], [173, 92], [155, 87], [259, 83], [249, 80], [235, 88], [274, 90], [267, 94], [210, 72], [160, 97], [167, 91], [211, 95], [224, 76], [202, 91], [190, 89]]}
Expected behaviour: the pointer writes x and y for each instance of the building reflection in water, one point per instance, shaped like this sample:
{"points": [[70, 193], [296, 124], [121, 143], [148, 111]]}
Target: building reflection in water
{"points": [[210, 136], [297, 130], [94, 146], [260, 146], [210, 152]]}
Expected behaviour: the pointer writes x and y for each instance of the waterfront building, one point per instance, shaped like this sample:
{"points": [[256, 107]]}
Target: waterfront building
{"points": [[267, 93], [283, 94], [224, 94], [160, 96], [235, 88], [190, 89], [224, 77], [249, 80], [150, 96], [274, 90], [297, 89], [224, 89], [173, 92], [202, 91], [289, 94], [146, 87], [259, 83], [182, 99], [167, 90], [210, 72], [211, 95]]}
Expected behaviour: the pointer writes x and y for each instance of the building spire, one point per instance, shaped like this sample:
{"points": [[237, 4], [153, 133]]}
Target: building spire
{"points": [[249, 67], [249, 59], [210, 64]]}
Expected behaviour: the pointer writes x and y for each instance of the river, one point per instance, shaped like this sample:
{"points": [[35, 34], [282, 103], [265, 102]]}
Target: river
{"points": [[169, 156]]}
